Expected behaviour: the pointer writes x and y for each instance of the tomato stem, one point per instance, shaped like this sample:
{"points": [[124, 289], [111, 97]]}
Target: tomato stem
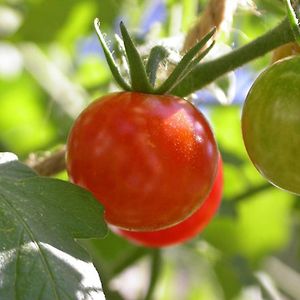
{"points": [[142, 77], [189, 76], [207, 72], [155, 273]]}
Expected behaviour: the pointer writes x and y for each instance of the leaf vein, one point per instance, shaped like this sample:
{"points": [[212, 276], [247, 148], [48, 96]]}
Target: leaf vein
{"points": [[18, 250], [35, 241]]}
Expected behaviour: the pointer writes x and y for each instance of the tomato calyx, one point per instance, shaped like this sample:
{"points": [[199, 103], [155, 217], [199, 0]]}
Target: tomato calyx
{"points": [[142, 78]]}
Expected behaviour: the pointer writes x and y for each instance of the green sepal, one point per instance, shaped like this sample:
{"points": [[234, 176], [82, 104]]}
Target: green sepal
{"points": [[185, 65], [122, 51], [110, 60], [294, 22], [138, 75], [190, 68], [142, 78], [156, 56]]}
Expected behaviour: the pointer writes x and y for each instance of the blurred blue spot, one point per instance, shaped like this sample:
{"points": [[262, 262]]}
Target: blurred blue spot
{"points": [[244, 79], [89, 46], [155, 13]]}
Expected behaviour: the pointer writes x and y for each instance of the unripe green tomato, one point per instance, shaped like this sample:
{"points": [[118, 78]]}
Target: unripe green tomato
{"points": [[271, 124]]}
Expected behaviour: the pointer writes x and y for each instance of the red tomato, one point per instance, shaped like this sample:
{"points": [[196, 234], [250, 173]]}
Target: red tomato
{"points": [[185, 230], [150, 160]]}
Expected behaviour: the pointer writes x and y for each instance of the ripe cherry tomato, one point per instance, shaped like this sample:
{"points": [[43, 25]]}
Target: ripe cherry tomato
{"points": [[271, 124], [186, 229], [150, 160]]}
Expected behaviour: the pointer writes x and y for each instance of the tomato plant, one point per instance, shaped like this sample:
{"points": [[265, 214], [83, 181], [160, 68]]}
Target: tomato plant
{"points": [[186, 229], [151, 160], [54, 242], [271, 124]]}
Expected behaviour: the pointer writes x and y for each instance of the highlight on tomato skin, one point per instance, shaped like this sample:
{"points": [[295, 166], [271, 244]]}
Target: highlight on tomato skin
{"points": [[185, 230], [149, 159]]}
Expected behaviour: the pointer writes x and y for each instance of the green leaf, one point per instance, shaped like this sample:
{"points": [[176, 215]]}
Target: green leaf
{"points": [[40, 218], [10, 168]]}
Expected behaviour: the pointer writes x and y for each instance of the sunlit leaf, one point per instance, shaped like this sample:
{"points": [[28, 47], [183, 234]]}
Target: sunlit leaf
{"points": [[40, 220]]}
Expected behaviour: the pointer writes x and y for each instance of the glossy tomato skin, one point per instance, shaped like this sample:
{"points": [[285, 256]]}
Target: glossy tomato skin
{"points": [[185, 230], [150, 160], [271, 124]]}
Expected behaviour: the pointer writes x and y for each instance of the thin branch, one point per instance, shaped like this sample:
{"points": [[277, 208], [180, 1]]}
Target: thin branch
{"points": [[155, 273], [209, 71], [49, 164], [251, 192]]}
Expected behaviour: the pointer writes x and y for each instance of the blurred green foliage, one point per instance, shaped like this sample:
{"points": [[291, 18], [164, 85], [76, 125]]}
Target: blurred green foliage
{"points": [[253, 224]]}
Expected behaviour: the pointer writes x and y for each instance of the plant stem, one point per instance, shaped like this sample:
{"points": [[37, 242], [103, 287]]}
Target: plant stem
{"points": [[251, 192], [207, 72], [229, 206], [155, 272]]}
